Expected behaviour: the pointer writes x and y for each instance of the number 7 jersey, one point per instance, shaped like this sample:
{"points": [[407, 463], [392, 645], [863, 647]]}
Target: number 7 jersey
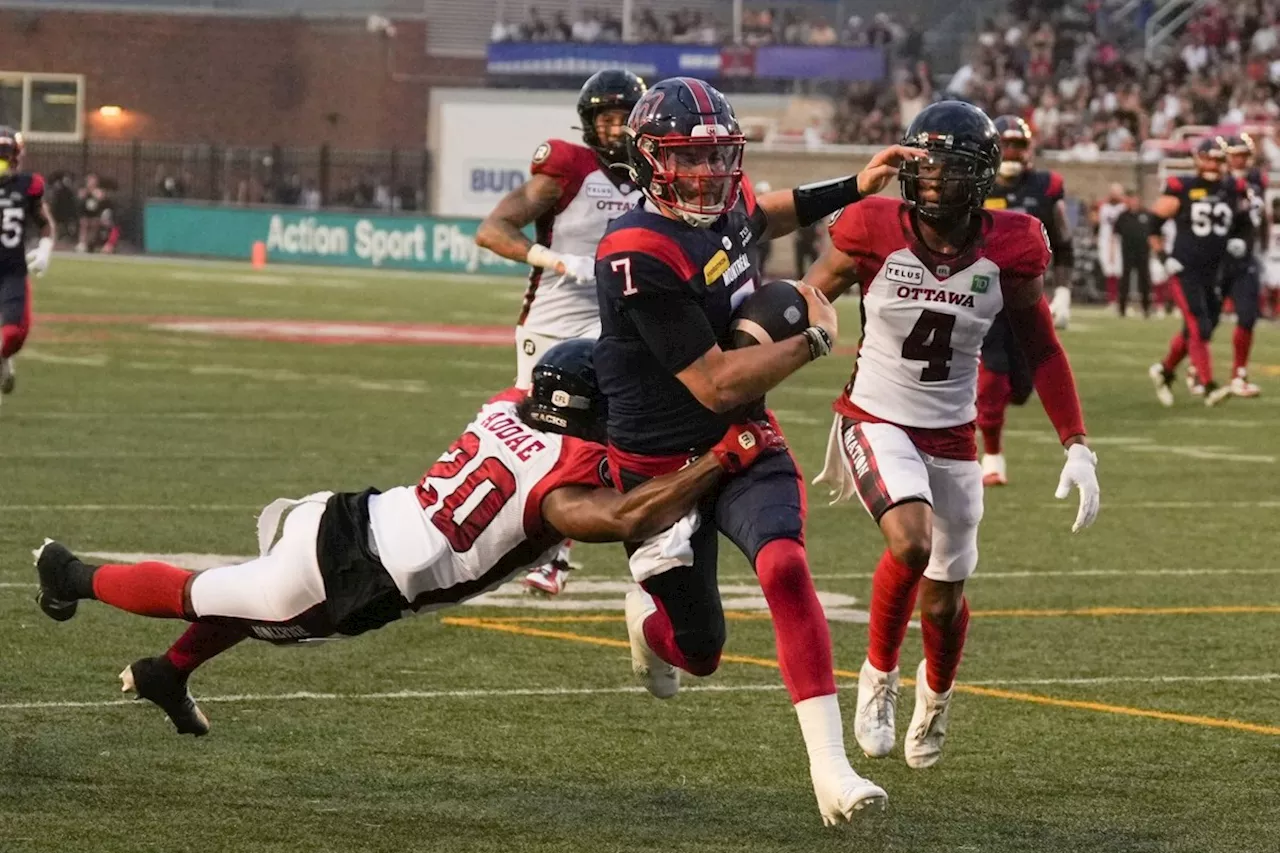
{"points": [[924, 315], [475, 517]]}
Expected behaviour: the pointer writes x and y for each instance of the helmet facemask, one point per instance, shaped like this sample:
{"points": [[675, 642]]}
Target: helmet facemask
{"points": [[696, 177], [1015, 156], [947, 186]]}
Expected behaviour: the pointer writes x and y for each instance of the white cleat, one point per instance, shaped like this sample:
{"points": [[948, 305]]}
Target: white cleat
{"points": [[928, 729], [1194, 387], [873, 725], [1163, 384], [843, 794], [993, 470], [1216, 394], [659, 677], [7, 378], [1242, 387], [547, 581]]}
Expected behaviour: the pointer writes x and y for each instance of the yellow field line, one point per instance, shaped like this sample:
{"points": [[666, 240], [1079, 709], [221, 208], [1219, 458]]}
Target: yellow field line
{"points": [[508, 626], [759, 616]]}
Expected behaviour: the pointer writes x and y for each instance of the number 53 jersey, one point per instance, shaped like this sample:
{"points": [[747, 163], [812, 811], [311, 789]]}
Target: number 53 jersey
{"points": [[475, 518], [924, 316]]}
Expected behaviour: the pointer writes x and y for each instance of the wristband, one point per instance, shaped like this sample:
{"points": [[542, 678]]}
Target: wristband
{"points": [[817, 200], [819, 342]]}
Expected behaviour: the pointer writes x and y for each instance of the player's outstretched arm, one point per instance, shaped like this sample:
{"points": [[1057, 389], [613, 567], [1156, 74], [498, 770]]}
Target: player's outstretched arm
{"points": [[605, 515], [501, 233], [722, 381], [787, 210], [833, 273]]}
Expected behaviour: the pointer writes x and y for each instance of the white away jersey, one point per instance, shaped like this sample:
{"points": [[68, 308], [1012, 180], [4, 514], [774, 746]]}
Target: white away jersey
{"points": [[475, 518], [589, 199], [925, 315]]}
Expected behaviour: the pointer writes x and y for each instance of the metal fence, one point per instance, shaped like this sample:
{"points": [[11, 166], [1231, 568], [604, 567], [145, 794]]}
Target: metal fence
{"points": [[311, 177]]}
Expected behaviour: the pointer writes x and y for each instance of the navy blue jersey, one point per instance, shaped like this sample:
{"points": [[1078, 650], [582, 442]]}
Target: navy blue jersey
{"points": [[667, 294], [1035, 193], [1209, 213], [21, 197]]}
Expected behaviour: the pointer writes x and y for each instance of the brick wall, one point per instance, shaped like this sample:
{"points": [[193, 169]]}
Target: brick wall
{"points": [[232, 80]]}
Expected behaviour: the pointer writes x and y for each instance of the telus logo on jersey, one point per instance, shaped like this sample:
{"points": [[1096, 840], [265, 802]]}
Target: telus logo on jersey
{"points": [[904, 273]]}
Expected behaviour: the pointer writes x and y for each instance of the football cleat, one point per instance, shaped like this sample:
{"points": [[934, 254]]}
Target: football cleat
{"points": [[52, 562], [993, 470], [160, 682], [928, 729], [1194, 386], [659, 677], [1163, 382], [1242, 387], [842, 793], [874, 724], [7, 378], [1215, 394], [1060, 308], [548, 580]]}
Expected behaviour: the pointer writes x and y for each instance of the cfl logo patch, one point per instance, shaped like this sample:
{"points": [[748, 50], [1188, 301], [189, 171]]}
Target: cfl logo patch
{"points": [[746, 440], [560, 399]]}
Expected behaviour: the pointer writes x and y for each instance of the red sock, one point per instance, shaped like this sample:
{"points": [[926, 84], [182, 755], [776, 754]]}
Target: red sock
{"points": [[1177, 352], [1275, 302], [148, 589], [1242, 341], [994, 392], [1159, 294], [1113, 289], [661, 637], [12, 337], [200, 642], [893, 600], [799, 625], [943, 647]]}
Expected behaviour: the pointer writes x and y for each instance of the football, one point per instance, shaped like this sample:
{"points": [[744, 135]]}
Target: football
{"points": [[773, 313]]}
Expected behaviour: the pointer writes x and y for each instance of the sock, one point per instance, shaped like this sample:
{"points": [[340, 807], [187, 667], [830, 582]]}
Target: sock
{"points": [[822, 729], [893, 600], [200, 642], [147, 589], [799, 625], [994, 393], [943, 647], [661, 637], [1161, 293], [1242, 342], [12, 337], [1113, 289], [1177, 352]]}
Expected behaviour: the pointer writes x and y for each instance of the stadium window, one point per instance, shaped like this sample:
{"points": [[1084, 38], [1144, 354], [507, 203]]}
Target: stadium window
{"points": [[43, 106]]}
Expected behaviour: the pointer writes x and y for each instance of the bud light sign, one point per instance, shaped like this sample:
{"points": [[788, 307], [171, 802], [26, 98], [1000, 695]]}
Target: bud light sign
{"points": [[490, 181]]}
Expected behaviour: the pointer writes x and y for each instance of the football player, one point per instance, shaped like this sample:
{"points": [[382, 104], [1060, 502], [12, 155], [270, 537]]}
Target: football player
{"points": [[1109, 256], [25, 213], [574, 191], [1242, 277], [1211, 214], [671, 273], [934, 270], [1003, 375], [348, 563]]}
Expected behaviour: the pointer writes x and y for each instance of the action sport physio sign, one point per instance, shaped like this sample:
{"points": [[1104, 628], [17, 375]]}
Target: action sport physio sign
{"points": [[405, 242]]}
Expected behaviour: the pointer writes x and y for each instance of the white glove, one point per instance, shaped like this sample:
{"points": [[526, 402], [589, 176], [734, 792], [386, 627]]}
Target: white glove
{"points": [[579, 269], [38, 258], [1237, 248], [1081, 471], [1159, 275], [1171, 266]]}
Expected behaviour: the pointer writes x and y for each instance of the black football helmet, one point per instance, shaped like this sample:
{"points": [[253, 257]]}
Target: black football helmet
{"points": [[611, 89], [1211, 157], [11, 148], [964, 155], [684, 148], [1016, 143], [564, 398]]}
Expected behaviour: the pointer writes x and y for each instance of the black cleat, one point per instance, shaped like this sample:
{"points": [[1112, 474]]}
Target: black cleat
{"points": [[160, 682], [52, 560]]}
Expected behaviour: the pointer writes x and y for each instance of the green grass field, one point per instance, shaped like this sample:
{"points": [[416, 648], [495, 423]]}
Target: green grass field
{"points": [[1120, 691]]}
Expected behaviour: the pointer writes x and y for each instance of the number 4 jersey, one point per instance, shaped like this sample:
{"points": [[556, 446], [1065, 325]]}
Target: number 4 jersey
{"points": [[475, 518], [925, 315]]}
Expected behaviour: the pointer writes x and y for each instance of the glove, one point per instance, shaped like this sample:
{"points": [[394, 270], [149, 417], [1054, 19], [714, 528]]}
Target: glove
{"points": [[1159, 275], [1172, 267], [743, 444], [1237, 248], [38, 258], [1081, 471], [579, 269]]}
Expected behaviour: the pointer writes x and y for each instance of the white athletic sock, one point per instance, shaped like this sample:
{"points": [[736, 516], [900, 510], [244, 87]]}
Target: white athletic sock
{"points": [[823, 732]]}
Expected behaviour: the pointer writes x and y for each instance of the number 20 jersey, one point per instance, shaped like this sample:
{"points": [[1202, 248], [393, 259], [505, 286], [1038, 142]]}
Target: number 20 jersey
{"points": [[924, 314], [475, 518]]}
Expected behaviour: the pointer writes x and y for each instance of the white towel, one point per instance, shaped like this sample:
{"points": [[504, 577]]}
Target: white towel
{"points": [[269, 518], [671, 548], [836, 472]]}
